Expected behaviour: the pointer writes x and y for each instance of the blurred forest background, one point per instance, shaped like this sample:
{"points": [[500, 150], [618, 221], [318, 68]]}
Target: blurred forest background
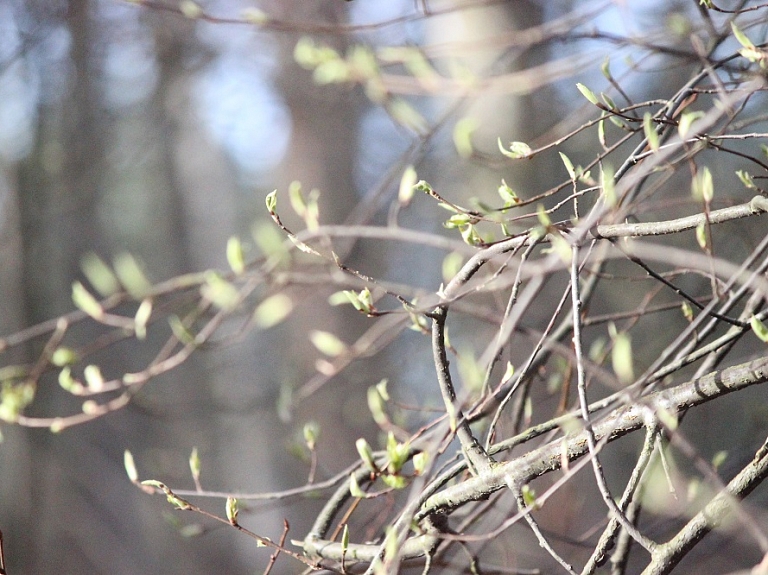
{"points": [[126, 128]]}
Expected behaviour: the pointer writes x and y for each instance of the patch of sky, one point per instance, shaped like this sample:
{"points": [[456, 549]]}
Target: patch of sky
{"points": [[130, 70], [382, 145], [244, 113]]}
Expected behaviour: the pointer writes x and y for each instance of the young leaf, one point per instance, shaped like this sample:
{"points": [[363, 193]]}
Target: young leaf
{"points": [[130, 466], [272, 310], [232, 510], [516, 150], [759, 328], [587, 93], [608, 182], [100, 275], [746, 179], [462, 136], [354, 488], [376, 406], [93, 378], [327, 343], [194, 464], [651, 136], [686, 120], [219, 292], [407, 183], [568, 165], [86, 302], [271, 201], [69, 383], [741, 37], [141, 318], [366, 454], [622, 358], [131, 276], [235, 257], [701, 235], [508, 195], [311, 432], [64, 356], [702, 186]]}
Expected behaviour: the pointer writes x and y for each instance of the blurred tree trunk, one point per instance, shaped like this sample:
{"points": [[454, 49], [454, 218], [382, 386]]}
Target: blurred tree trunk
{"points": [[58, 190]]}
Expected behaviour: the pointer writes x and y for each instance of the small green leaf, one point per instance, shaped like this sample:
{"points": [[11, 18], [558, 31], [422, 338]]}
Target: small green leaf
{"points": [[423, 186], [687, 311], [345, 538], [190, 9], [458, 220], [667, 418], [93, 378], [516, 150], [561, 247], [508, 372], [587, 93], [608, 101], [605, 68], [608, 185], [719, 458], [272, 311], [759, 328], [470, 236], [131, 276], [394, 481], [232, 510], [746, 179], [130, 466], [86, 302], [452, 263], [686, 121], [376, 407], [271, 201], [529, 496], [296, 198], [354, 488], [327, 343], [702, 235], [601, 133], [235, 257], [311, 432], [220, 292], [141, 318], [366, 454], [508, 195], [69, 383], [194, 464], [407, 183], [543, 216], [622, 358], [462, 136], [702, 186], [568, 165], [397, 453], [651, 136], [64, 356], [420, 461], [100, 275], [180, 331], [741, 37], [407, 116], [381, 387], [362, 301]]}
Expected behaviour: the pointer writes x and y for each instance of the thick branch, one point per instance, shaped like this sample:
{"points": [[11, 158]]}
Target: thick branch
{"points": [[618, 423]]}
